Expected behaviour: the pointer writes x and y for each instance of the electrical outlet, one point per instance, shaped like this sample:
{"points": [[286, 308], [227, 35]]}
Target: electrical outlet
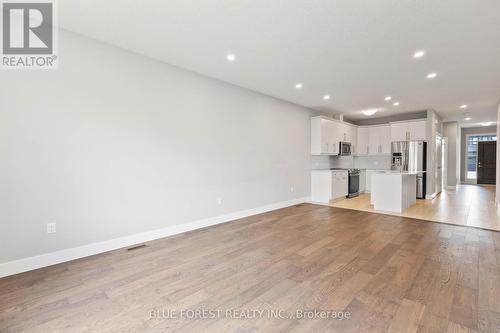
{"points": [[219, 200], [51, 228]]}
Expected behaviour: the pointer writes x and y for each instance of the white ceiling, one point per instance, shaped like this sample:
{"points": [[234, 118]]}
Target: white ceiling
{"points": [[357, 51]]}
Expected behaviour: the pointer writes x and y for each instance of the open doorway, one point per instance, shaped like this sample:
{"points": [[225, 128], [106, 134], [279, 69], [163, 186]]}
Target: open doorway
{"points": [[486, 162]]}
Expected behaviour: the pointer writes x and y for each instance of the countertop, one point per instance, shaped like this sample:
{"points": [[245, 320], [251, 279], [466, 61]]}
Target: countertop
{"points": [[342, 169], [395, 172]]}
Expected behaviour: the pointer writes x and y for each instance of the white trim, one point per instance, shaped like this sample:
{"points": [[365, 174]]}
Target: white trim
{"points": [[407, 121], [57, 257], [451, 187], [473, 180], [430, 196], [335, 120], [319, 203]]}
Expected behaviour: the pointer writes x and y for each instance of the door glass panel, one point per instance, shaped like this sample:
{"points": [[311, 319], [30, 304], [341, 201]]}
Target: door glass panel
{"points": [[472, 141]]}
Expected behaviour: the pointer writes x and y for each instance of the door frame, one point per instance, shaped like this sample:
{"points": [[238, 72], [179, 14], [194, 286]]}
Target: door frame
{"points": [[444, 166], [438, 186], [470, 180], [477, 161]]}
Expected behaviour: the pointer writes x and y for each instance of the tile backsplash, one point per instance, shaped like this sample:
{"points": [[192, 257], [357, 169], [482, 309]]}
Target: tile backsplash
{"points": [[373, 162], [362, 162]]}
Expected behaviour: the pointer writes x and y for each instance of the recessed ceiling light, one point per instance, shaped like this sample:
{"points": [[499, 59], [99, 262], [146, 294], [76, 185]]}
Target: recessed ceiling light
{"points": [[395, 103], [463, 106], [369, 112], [231, 57], [326, 97], [486, 124], [431, 75], [468, 118], [388, 98], [419, 54], [298, 86]]}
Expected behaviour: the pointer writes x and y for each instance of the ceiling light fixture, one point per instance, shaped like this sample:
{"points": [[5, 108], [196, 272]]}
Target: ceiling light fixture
{"points": [[298, 86], [395, 103], [326, 97], [468, 118], [231, 57], [419, 54], [431, 75], [463, 106], [486, 124], [369, 112], [388, 98]]}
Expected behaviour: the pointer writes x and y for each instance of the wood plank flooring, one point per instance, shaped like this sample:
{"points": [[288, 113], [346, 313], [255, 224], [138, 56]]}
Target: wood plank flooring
{"points": [[471, 205], [392, 274]]}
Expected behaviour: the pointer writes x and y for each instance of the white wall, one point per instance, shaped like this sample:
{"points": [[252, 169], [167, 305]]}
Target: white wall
{"points": [[498, 158], [434, 127], [113, 144], [451, 131]]}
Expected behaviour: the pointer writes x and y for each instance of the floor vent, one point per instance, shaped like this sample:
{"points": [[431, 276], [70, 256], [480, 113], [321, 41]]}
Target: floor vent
{"points": [[136, 247]]}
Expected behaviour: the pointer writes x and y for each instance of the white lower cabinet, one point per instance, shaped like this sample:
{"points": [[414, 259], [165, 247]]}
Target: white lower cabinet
{"points": [[362, 181], [327, 185], [340, 184], [368, 180]]}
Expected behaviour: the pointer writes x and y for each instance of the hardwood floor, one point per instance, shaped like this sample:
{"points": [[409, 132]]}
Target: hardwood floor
{"points": [[392, 274], [470, 205]]}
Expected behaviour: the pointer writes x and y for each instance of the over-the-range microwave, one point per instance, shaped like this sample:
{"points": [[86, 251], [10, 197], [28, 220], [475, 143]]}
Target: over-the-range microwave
{"points": [[345, 148]]}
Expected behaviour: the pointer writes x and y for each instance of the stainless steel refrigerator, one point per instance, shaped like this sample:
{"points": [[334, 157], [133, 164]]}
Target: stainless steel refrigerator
{"points": [[411, 156]]}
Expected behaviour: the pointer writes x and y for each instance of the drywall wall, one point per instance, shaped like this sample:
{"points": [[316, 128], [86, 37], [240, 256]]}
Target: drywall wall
{"points": [[113, 144], [463, 148], [434, 128], [384, 120], [498, 159], [451, 131]]}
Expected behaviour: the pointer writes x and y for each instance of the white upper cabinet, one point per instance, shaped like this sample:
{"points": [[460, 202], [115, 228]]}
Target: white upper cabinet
{"points": [[385, 139], [410, 130], [363, 141], [326, 135], [324, 139], [353, 138], [418, 130], [374, 140]]}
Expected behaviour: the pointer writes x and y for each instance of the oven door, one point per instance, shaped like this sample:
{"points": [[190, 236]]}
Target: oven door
{"points": [[353, 184]]}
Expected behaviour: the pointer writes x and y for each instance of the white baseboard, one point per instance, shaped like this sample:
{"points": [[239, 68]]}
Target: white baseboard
{"points": [[451, 187], [57, 257], [430, 196]]}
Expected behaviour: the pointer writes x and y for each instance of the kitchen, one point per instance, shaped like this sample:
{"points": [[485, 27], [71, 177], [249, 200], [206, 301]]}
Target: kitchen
{"points": [[388, 161]]}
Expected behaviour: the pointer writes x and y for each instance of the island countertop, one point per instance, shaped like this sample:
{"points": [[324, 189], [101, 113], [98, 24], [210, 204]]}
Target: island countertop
{"points": [[395, 172]]}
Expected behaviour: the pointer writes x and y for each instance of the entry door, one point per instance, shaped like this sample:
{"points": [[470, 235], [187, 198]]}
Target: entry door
{"points": [[486, 162]]}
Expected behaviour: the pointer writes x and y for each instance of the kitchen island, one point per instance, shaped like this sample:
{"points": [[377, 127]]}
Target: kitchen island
{"points": [[393, 191]]}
